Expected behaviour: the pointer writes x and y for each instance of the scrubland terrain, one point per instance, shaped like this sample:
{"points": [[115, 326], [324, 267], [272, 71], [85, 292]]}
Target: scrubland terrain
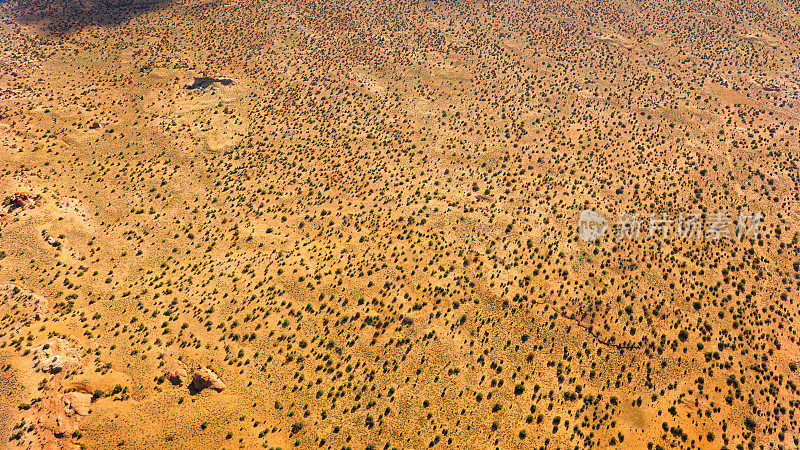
{"points": [[329, 224]]}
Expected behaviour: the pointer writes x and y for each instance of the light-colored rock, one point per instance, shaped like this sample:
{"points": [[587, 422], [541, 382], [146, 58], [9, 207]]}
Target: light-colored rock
{"points": [[58, 355], [174, 371], [204, 378], [62, 414], [76, 403]]}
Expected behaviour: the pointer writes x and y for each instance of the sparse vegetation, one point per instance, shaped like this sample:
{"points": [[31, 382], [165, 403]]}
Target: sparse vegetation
{"points": [[353, 225]]}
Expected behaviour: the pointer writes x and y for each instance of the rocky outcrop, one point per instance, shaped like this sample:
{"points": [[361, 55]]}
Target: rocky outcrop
{"points": [[58, 355], [76, 403], [20, 201], [63, 414], [174, 371], [204, 378], [50, 239], [207, 79]]}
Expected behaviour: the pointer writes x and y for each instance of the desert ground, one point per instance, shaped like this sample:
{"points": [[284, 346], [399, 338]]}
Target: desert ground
{"points": [[331, 224]]}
